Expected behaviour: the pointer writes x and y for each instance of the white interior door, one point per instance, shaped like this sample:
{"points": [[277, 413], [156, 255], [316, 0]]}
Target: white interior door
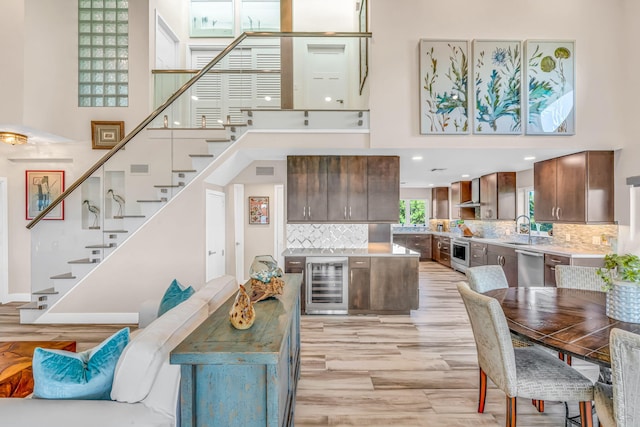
{"points": [[4, 243], [326, 77], [215, 234], [166, 46], [239, 215]]}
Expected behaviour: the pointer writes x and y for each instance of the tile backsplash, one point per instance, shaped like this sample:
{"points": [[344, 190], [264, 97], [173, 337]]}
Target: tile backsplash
{"points": [[338, 236]]}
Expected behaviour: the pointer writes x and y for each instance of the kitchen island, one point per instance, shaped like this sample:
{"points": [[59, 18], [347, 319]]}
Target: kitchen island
{"points": [[380, 279]]}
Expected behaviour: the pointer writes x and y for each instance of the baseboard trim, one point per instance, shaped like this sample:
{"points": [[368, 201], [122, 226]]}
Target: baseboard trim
{"points": [[89, 318]]}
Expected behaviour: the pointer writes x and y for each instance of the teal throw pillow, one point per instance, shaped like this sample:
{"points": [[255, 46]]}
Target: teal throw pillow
{"points": [[174, 295], [59, 374]]}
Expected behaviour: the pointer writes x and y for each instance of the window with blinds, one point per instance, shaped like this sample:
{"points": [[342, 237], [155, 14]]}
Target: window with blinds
{"points": [[247, 78]]}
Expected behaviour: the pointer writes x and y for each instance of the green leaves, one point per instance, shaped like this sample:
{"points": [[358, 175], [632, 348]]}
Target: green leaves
{"points": [[625, 268]]}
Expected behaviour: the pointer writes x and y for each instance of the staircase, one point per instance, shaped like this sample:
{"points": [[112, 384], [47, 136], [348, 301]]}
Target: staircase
{"points": [[76, 258]]}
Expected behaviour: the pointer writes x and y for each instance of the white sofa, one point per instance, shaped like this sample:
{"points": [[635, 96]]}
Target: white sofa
{"points": [[145, 386]]}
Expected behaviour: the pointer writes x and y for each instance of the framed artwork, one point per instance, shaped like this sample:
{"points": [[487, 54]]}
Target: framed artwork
{"points": [[550, 76], [41, 188], [497, 92], [364, 44], [105, 135], [258, 210], [444, 77]]}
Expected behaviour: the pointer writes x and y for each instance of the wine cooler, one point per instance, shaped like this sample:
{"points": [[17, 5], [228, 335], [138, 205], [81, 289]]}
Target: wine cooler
{"points": [[327, 285]]}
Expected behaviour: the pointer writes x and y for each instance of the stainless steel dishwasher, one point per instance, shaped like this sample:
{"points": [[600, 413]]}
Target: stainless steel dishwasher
{"points": [[530, 268]]}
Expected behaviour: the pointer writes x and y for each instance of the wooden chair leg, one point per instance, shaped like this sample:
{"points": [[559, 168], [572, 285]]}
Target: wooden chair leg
{"points": [[482, 397], [511, 412], [561, 356], [539, 404], [569, 359], [586, 414]]}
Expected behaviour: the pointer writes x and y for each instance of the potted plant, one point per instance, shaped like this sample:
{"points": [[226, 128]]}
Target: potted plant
{"points": [[621, 274]]}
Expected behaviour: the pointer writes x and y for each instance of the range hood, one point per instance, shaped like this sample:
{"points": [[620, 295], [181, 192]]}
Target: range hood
{"points": [[475, 196]]}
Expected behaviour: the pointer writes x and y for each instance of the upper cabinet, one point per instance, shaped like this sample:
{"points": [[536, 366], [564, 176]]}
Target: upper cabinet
{"points": [[461, 192], [383, 181], [498, 196], [347, 183], [358, 189], [440, 203], [306, 188], [577, 188]]}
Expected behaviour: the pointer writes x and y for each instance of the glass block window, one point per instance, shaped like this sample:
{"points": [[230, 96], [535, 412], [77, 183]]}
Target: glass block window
{"points": [[103, 53]]}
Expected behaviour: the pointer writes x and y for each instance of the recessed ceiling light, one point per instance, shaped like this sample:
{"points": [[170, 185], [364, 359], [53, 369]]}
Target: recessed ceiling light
{"points": [[465, 175], [416, 158], [530, 158]]}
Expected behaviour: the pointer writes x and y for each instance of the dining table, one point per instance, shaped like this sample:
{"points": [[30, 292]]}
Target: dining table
{"points": [[571, 321]]}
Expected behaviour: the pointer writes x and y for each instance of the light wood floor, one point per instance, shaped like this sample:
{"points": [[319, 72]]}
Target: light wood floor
{"points": [[417, 370]]}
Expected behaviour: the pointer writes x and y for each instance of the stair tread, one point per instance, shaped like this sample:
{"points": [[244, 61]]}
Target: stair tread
{"points": [[184, 170], [82, 261], [63, 276], [167, 186], [200, 155], [218, 140], [115, 231], [101, 246], [33, 305], [150, 201], [48, 291], [128, 216], [233, 124]]}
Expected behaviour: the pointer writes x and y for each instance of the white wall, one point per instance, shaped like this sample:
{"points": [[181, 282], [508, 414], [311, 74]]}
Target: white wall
{"points": [[626, 161], [11, 61], [593, 24]]}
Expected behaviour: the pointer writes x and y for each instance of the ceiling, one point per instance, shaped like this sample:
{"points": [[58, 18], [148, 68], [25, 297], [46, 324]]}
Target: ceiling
{"points": [[451, 164]]}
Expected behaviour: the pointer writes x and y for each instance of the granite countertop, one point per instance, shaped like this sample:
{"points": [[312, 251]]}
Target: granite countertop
{"points": [[374, 250], [550, 249]]}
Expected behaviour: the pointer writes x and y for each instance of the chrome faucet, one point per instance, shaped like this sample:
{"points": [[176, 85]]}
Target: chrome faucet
{"points": [[529, 222]]}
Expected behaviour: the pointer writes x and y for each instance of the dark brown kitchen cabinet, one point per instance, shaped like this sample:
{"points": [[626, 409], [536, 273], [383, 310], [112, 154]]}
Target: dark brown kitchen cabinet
{"points": [[393, 284], [440, 203], [420, 243], [383, 188], [478, 252], [550, 263], [296, 265], [359, 278], [441, 249], [498, 196], [507, 259], [306, 189], [461, 192], [347, 183], [577, 188]]}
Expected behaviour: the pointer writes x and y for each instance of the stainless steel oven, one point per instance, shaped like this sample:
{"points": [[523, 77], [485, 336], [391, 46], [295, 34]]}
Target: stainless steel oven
{"points": [[327, 285], [460, 254]]}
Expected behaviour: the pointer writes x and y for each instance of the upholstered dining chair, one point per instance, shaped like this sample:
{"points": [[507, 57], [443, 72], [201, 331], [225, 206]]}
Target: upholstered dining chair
{"points": [[486, 278], [577, 277], [618, 404], [527, 372]]}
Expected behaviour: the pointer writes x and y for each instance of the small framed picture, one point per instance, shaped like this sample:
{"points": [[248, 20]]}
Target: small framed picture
{"points": [[43, 187], [105, 135], [258, 210]]}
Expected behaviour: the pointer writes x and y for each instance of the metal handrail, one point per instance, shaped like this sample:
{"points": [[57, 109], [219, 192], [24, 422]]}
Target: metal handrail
{"points": [[170, 100]]}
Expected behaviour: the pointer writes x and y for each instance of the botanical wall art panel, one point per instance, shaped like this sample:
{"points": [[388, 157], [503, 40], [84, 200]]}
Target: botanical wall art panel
{"points": [[444, 76], [497, 94], [550, 74]]}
